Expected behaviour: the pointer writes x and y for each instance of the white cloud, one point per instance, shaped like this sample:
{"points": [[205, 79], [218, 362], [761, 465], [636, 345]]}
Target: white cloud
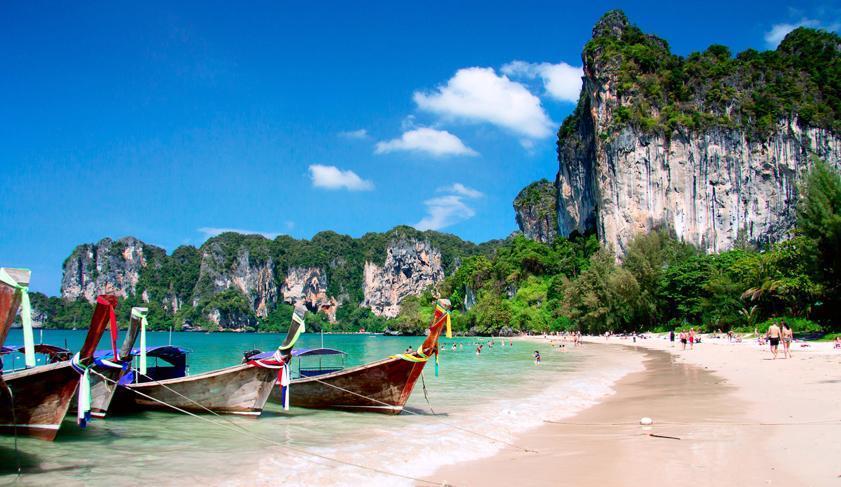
{"points": [[214, 231], [561, 81], [461, 190], [778, 32], [424, 139], [480, 95], [331, 177], [447, 210], [354, 134], [444, 211]]}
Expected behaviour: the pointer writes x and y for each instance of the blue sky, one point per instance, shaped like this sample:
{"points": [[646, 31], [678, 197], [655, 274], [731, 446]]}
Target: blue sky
{"points": [[171, 121]]}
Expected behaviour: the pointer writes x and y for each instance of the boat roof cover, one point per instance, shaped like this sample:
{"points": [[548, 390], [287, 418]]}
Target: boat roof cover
{"points": [[162, 351], [52, 350], [300, 353]]}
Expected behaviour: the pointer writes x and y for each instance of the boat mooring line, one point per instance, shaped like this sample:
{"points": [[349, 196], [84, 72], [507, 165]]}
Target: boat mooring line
{"points": [[526, 450], [14, 429], [285, 446]]}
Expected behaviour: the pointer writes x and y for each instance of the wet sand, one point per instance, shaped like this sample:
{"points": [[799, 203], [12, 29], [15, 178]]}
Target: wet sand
{"points": [[714, 416]]}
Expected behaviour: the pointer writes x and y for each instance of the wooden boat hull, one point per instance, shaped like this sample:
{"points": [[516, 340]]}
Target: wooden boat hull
{"points": [[41, 399], [378, 387], [102, 391], [241, 389]]}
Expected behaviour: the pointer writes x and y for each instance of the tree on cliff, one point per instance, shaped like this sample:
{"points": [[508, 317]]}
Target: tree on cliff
{"points": [[819, 218]]}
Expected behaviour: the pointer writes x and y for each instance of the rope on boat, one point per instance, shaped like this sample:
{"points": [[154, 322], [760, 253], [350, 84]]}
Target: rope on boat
{"points": [[285, 446], [14, 429], [156, 382], [454, 426]]}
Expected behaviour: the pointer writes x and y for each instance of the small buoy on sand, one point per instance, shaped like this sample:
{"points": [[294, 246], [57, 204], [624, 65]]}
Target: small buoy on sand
{"points": [[646, 421]]}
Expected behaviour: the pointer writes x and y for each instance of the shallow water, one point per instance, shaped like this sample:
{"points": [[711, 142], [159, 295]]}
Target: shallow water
{"points": [[480, 401]]}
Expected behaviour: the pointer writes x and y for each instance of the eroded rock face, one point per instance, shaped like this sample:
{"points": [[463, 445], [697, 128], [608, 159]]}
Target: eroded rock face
{"points": [[252, 277], [307, 286], [410, 267], [106, 267], [712, 187], [537, 211]]}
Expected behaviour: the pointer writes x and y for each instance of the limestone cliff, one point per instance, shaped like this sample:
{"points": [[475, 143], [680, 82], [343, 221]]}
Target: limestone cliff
{"points": [[410, 267], [307, 287], [106, 267], [711, 146], [536, 207], [239, 281], [246, 270]]}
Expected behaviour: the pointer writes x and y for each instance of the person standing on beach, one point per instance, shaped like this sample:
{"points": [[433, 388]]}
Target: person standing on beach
{"points": [[788, 336], [683, 340], [692, 339], [773, 336], [672, 338]]}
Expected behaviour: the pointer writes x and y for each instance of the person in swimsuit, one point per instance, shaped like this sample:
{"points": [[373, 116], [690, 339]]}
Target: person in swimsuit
{"points": [[672, 338], [536, 357], [788, 336], [773, 336], [692, 339], [683, 340]]}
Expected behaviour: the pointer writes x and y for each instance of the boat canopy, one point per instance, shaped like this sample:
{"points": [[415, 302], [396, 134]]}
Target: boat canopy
{"points": [[299, 353], [317, 351], [55, 353]]}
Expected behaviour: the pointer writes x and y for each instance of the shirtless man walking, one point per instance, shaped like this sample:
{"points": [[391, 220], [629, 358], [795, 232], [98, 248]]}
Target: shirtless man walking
{"points": [[773, 336]]}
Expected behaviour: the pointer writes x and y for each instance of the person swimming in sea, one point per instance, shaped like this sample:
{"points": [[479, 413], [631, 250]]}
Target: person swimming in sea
{"points": [[479, 349], [536, 357], [454, 347]]}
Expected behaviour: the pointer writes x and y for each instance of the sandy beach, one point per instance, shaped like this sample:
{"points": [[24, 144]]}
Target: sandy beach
{"points": [[725, 414]]}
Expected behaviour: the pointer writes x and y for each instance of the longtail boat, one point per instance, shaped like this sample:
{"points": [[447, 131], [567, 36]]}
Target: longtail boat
{"points": [[42, 394], [13, 288], [241, 389], [111, 368], [381, 387]]}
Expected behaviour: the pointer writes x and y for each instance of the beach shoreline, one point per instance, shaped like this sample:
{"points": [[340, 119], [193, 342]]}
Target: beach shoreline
{"points": [[742, 419]]}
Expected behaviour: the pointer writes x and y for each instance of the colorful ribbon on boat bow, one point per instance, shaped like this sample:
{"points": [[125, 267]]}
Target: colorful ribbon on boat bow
{"points": [[112, 322], [140, 314], [83, 411], [446, 312], [25, 317]]}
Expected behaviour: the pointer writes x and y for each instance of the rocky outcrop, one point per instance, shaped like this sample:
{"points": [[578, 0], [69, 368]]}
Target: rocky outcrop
{"points": [[254, 278], [712, 185], [307, 287], [537, 211], [237, 281], [410, 267], [106, 267]]}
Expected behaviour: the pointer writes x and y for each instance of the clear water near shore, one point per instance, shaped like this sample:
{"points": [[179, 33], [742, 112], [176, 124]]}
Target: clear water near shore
{"points": [[497, 394]]}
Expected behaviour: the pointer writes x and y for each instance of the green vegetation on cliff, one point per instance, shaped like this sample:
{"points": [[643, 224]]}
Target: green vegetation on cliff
{"points": [[661, 92], [662, 283]]}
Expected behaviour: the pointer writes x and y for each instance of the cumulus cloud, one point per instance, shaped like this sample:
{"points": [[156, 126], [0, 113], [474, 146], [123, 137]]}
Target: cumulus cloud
{"points": [[778, 32], [214, 231], [443, 211], [331, 177], [462, 190], [431, 141], [354, 134], [479, 95], [561, 81]]}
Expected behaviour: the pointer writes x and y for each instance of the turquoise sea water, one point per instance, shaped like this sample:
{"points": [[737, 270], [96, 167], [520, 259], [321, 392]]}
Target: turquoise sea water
{"points": [[480, 401]]}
